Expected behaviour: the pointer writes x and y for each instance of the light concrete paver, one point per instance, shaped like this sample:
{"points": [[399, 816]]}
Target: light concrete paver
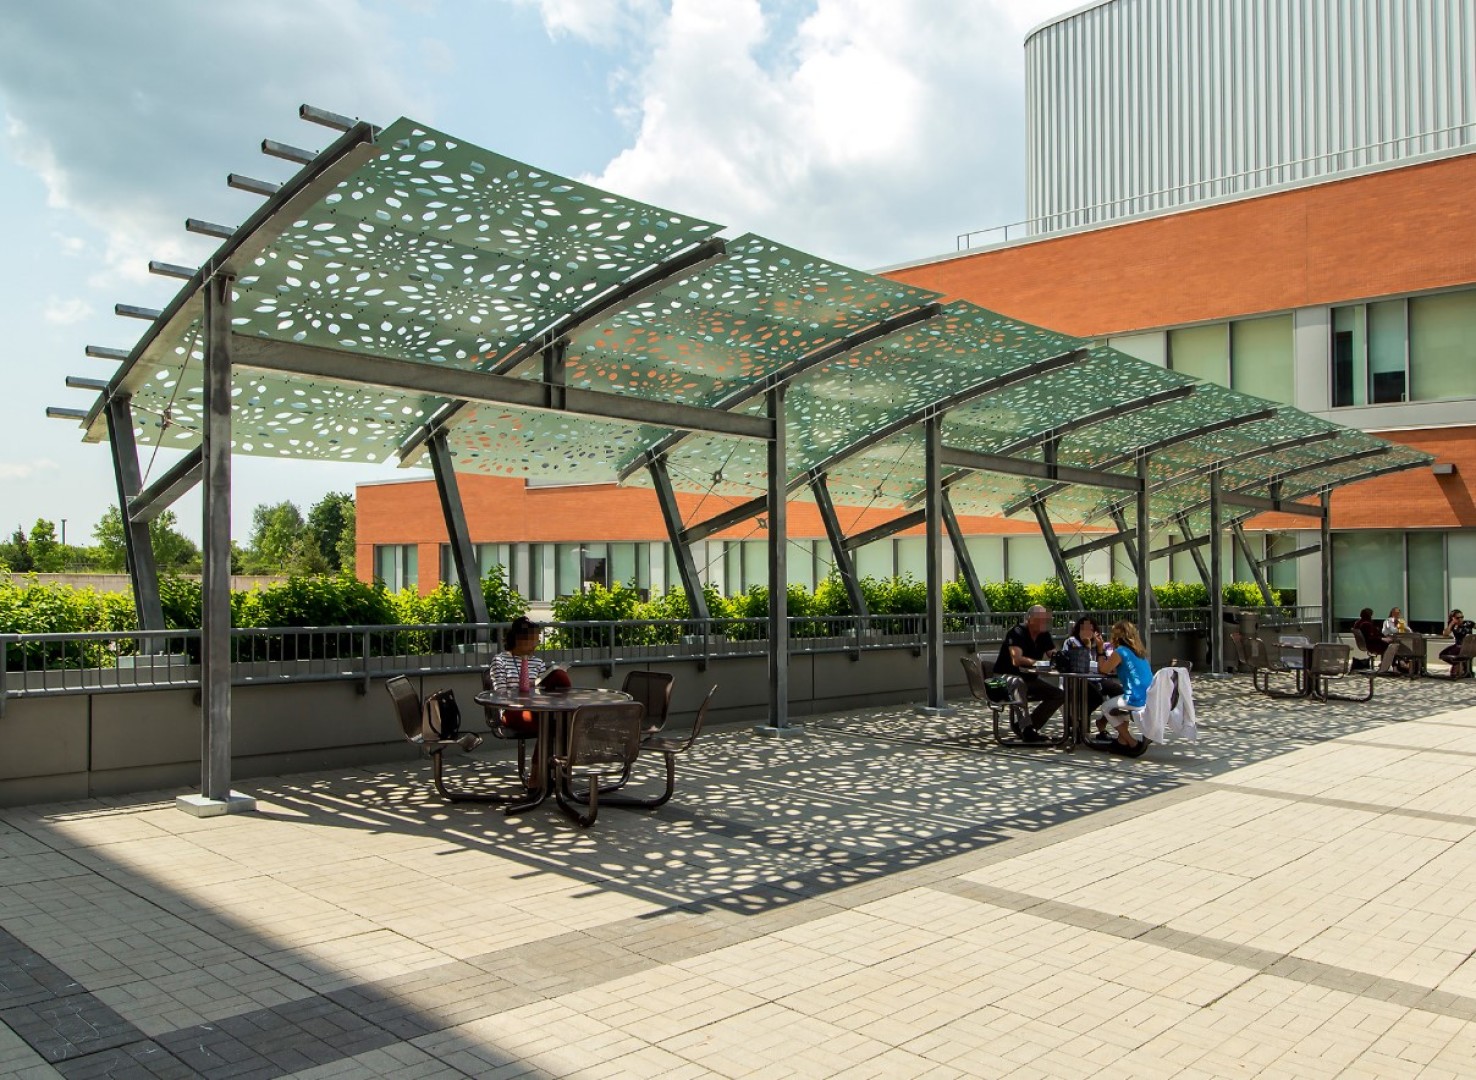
{"points": [[890, 896]]}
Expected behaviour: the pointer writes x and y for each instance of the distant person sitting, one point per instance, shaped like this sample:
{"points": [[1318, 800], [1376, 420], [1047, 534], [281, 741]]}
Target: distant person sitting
{"points": [[1395, 623], [1129, 660], [1025, 645], [517, 668], [1373, 640], [1457, 626], [1086, 637]]}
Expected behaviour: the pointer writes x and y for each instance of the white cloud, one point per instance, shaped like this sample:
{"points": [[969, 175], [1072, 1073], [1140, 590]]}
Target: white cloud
{"points": [[133, 123], [66, 312], [603, 22], [25, 470], [866, 132]]}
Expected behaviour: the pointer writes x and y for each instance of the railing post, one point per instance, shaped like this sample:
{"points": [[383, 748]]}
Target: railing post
{"points": [[4, 678]]}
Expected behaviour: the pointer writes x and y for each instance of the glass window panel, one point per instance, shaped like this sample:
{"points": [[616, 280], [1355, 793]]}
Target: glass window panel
{"points": [[875, 560], [1261, 358], [1201, 351], [566, 569], [1368, 571], [409, 566], [755, 563], [448, 570], [623, 565], [912, 557], [799, 564], [643, 568], [824, 561], [987, 553], [594, 565], [1256, 542], [1283, 574], [1461, 570], [1030, 559], [384, 565], [1442, 344], [1426, 554], [1349, 382], [731, 583], [1386, 333]]}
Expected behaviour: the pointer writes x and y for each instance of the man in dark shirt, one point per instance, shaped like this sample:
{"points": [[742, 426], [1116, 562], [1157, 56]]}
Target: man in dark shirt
{"points": [[1026, 643], [1373, 637]]}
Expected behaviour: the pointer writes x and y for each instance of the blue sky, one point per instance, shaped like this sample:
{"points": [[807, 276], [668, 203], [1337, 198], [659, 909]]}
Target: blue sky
{"points": [[868, 131]]}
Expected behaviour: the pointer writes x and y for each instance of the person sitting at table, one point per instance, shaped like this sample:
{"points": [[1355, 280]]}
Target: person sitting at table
{"points": [[1129, 658], [517, 668], [1395, 623], [1457, 626], [1373, 640], [1085, 635], [1026, 644]]}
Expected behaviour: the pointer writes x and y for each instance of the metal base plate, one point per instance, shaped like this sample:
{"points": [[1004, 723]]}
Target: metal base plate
{"points": [[200, 806], [792, 731], [936, 710]]}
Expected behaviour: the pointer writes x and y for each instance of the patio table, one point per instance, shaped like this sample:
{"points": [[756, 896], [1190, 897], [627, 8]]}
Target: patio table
{"points": [[1411, 646], [1075, 712], [551, 710]]}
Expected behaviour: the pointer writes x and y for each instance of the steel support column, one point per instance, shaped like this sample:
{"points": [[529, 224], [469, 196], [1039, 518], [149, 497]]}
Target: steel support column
{"points": [[1053, 545], [933, 478], [1214, 580], [1130, 546], [139, 549], [1328, 626], [961, 555], [1243, 542], [463, 555], [215, 795], [1145, 545], [1193, 549], [778, 470], [845, 566], [686, 565]]}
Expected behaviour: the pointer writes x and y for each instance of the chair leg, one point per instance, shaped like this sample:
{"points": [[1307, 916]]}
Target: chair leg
{"points": [[456, 795], [569, 804], [625, 802]]}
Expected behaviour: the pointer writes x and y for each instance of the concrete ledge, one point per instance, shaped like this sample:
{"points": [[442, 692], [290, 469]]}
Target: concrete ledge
{"points": [[200, 806]]}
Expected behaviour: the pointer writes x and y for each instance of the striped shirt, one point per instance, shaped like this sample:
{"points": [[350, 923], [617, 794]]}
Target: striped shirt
{"points": [[507, 670]]}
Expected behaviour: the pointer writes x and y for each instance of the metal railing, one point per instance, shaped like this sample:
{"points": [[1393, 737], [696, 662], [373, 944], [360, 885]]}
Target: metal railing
{"points": [[105, 661]]}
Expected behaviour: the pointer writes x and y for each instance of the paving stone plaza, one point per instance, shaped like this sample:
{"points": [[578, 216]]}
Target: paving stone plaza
{"points": [[887, 896]]}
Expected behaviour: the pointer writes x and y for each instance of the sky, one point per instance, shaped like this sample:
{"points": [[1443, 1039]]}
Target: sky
{"points": [[870, 132]]}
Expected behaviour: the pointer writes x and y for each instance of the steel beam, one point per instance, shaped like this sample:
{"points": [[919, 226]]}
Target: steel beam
{"points": [[1111, 412], [102, 352], [1297, 553], [845, 566], [1122, 536], [887, 528], [142, 572], [933, 476], [1187, 544], [166, 490], [215, 660], [1326, 576], [671, 514], [173, 270], [778, 471], [871, 334], [1255, 566], [957, 457], [1192, 546], [366, 369], [314, 115], [1214, 578], [962, 557], [201, 227], [1053, 545], [1142, 564], [251, 185], [287, 152], [58, 412], [735, 515], [133, 311], [79, 382], [463, 554]]}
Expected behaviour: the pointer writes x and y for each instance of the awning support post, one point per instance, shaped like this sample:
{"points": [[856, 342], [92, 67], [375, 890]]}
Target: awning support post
{"points": [[933, 478], [962, 557], [142, 571], [1145, 546], [216, 796], [1053, 545], [1214, 579], [845, 566], [1243, 542], [671, 514], [778, 472], [1328, 624], [1130, 546], [463, 554]]}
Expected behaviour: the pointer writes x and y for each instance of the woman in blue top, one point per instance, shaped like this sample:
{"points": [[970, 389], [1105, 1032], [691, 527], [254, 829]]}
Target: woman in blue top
{"points": [[1129, 661]]}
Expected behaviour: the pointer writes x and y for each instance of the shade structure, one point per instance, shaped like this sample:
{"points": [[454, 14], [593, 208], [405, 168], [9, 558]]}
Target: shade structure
{"points": [[408, 245]]}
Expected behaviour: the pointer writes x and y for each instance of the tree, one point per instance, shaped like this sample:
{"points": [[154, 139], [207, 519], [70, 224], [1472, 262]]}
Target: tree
{"points": [[330, 527], [17, 553], [46, 553], [172, 549], [276, 535]]}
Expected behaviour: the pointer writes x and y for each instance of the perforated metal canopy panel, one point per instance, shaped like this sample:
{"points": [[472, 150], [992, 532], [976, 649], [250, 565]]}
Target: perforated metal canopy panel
{"points": [[430, 250]]}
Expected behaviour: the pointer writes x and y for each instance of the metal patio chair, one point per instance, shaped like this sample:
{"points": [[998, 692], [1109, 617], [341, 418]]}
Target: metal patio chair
{"points": [[668, 748], [415, 725], [1016, 706], [603, 741], [653, 690], [1264, 669], [1461, 667], [1332, 664]]}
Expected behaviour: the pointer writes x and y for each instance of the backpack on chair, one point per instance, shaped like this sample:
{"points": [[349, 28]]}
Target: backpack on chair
{"points": [[442, 716]]}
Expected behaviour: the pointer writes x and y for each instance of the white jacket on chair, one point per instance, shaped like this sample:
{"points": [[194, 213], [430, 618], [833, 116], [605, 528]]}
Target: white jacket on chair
{"points": [[1170, 706]]}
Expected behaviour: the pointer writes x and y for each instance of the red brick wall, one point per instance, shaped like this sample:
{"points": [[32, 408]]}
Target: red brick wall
{"points": [[1391, 232]]}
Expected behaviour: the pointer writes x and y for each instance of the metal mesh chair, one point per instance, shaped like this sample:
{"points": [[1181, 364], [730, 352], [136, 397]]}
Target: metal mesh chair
{"points": [[668, 748], [415, 725], [1015, 705], [1263, 669], [1332, 664], [1465, 660], [653, 690], [603, 741]]}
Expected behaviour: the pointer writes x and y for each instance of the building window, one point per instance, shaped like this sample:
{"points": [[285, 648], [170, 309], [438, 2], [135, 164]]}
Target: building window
{"points": [[1261, 357], [1201, 351], [488, 556], [1419, 349], [397, 566], [1442, 345]]}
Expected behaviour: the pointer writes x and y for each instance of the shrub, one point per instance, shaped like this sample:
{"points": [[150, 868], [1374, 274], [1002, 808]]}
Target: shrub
{"points": [[1007, 595]]}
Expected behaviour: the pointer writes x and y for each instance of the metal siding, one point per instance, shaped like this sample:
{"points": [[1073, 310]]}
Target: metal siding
{"points": [[1141, 105]]}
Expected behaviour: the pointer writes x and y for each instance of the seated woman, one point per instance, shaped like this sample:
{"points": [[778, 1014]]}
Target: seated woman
{"points": [[1129, 659], [517, 668], [1373, 638], [1457, 626], [1395, 623], [1085, 635]]}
